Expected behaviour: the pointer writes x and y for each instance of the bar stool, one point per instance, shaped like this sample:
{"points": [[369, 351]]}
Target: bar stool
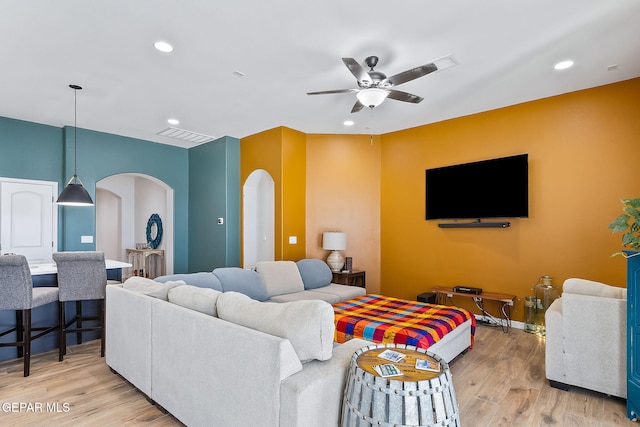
{"points": [[17, 293], [82, 276]]}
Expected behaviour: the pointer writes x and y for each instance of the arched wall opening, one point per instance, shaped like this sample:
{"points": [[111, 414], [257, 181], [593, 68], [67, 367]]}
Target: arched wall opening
{"points": [[258, 218], [124, 204]]}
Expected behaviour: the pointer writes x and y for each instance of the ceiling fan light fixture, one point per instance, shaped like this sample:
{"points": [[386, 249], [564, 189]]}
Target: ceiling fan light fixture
{"points": [[372, 97]]}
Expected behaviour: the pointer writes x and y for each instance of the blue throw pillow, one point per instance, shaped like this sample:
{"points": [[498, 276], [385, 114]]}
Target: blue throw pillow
{"points": [[246, 282], [315, 273], [201, 280]]}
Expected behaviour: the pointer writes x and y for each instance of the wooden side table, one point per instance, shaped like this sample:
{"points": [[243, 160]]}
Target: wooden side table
{"points": [[352, 278], [504, 302], [147, 262], [417, 397]]}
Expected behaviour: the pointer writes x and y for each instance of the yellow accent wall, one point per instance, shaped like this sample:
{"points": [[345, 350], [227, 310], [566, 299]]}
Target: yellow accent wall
{"points": [[343, 194], [584, 151], [282, 153]]}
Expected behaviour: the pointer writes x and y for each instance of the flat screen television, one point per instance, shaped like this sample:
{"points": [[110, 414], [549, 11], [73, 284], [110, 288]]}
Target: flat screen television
{"points": [[496, 188]]}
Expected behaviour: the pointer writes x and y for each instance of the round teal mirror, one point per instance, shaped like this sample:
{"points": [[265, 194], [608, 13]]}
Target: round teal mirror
{"points": [[154, 231]]}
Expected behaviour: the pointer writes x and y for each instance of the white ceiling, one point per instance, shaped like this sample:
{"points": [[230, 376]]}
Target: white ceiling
{"points": [[505, 51]]}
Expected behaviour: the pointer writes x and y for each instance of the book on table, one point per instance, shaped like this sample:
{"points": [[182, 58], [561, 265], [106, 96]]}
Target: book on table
{"points": [[387, 370], [391, 355], [427, 365]]}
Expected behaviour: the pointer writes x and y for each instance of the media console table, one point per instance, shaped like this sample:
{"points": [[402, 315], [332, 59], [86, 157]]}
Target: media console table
{"points": [[504, 301]]}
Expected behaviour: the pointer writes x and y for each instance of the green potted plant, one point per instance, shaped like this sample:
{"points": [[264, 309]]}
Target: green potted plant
{"points": [[629, 224]]}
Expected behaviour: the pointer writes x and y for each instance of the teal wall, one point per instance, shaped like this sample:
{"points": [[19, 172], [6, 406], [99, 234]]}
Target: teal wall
{"points": [[205, 180], [30, 150], [100, 155], [214, 192]]}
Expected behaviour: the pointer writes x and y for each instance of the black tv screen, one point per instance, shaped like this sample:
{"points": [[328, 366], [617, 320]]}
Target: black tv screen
{"points": [[496, 188]]}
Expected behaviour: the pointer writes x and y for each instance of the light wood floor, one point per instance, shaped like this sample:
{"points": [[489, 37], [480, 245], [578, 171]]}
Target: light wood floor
{"points": [[500, 382]]}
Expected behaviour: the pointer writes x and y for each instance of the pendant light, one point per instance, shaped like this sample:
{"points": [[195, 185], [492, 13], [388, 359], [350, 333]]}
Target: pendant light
{"points": [[74, 194]]}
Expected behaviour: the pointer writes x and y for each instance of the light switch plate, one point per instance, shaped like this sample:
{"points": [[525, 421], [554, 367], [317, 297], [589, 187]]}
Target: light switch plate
{"points": [[293, 240]]}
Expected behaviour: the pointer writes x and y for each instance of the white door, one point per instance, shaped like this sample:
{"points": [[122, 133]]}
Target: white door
{"points": [[28, 218]]}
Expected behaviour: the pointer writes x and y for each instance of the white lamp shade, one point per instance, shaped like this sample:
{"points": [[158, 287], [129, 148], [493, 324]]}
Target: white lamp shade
{"points": [[372, 97], [334, 241]]}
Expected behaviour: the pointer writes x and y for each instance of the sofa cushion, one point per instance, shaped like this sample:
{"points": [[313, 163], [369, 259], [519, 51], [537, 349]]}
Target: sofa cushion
{"points": [[308, 325], [246, 282], [150, 287], [343, 292], [280, 277], [195, 298], [315, 273], [201, 280], [306, 295]]}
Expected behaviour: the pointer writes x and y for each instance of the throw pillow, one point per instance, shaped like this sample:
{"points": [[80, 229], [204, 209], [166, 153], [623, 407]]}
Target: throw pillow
{"points": [[195, 298], [201, 280], [315, 273], [246, 282], [280, 277], [308, 324], [150, 287]]}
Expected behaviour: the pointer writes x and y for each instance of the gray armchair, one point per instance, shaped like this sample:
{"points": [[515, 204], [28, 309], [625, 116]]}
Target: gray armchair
{"points": [[586, 338], [17, 293], [82, 276]]}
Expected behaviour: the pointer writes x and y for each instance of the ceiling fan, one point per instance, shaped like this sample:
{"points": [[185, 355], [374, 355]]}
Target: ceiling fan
{"points": [[375, 87]]}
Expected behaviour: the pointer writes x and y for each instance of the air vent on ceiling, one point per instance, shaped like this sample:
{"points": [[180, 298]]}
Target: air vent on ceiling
{"points": [[186, 135], [445, 62]]}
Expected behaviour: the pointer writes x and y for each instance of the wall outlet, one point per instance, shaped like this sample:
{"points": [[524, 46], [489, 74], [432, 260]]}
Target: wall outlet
{"points": [[86, 239], [220, 221], [293, 240]]}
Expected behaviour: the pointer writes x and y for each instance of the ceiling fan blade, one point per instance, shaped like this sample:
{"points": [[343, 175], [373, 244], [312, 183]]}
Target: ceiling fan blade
{"points": [[357, 107], [357, 70], [407, 76], [398, 95], [325, 92]]}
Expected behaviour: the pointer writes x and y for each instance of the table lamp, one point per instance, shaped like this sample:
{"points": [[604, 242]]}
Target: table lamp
{"points": [[334, 241]]}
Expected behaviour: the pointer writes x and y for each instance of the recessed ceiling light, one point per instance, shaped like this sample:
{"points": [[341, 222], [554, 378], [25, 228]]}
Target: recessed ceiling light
{"points": [[562, 65], [163, 46], [348, 123], [173, 121]]}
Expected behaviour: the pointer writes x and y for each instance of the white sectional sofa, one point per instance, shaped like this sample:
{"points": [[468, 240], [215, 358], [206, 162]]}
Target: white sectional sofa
{"points": [[222, 358]]}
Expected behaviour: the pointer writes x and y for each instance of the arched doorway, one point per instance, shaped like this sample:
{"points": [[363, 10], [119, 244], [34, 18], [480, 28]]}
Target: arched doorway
{"points": [[258, 218], [138, 196]]}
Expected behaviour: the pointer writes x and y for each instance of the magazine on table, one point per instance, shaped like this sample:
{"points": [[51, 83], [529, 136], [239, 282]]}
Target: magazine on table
{"points": [[387, 370], [427, 365], [391, 355]]}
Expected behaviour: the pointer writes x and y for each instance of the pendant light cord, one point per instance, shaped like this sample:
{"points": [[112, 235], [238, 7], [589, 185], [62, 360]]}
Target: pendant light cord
{"points": [[75, 88], [75, 132]]}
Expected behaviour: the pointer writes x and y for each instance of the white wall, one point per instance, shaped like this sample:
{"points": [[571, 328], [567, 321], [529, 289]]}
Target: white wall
{"points": [[258, 218], [150, 199], [109, 224]]}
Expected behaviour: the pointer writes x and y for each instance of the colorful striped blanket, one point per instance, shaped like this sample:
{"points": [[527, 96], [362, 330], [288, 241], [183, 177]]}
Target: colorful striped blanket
{"points": [[389, 320]]}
